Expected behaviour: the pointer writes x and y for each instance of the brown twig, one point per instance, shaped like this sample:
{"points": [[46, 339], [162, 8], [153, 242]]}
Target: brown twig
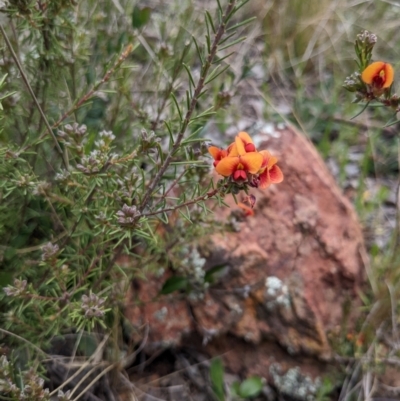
{"points": [[208, 195]]}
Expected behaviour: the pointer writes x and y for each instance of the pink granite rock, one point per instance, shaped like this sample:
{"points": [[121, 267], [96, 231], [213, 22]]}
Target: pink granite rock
{"points": [[289, 269]]}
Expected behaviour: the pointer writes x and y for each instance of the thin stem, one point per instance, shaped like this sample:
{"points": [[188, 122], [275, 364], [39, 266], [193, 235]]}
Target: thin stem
{"points": [[89, 94], [208, 195], [196, 94], [9, 333], [177, 179], [167, 93], [115, 257], [25, 79]]}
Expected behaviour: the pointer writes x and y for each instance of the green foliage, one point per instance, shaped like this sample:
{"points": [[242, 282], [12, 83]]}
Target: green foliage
{"points": [[83, 211], [325, 390], [104, 108], [140, 16], [248, 388], [217, 378], [174, 283], [32, 384]]}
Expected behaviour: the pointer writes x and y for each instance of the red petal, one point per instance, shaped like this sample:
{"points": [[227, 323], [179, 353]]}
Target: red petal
{"points": [[265, 180], [239, 175], [276, 175], [249, 147]]}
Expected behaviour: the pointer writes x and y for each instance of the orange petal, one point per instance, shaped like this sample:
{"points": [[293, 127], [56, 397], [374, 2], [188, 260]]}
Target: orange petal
{"points": [[265, 154], [252, 161], [232, 150], [247, 210], [276, 175], [272, 161], [375, 69], [214, 152], [372, 71], [245, 137], [269, 160], [389, 75], [227, 166], [240, 146]]}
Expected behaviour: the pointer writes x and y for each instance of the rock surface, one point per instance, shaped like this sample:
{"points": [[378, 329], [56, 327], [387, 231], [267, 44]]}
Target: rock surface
{"points": [[288, 272]]}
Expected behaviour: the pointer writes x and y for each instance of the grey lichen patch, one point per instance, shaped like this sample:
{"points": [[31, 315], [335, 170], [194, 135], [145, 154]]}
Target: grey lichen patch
{"points": [[265, 128], [295, 384], [161, 314], [191, 266], [276, 293]]}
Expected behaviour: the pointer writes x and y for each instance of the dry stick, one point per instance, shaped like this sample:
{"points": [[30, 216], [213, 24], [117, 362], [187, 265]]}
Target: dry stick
{"points": [[120, 364], [25, 79], [197, 92], [84, 365], [87, 375]]}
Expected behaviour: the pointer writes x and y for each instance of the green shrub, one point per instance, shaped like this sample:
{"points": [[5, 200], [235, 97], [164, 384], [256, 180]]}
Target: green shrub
{"points": [[102, 144]]}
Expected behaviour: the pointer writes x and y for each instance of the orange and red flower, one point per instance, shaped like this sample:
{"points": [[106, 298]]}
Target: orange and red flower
{"points": [[242, 163], [239, 162], [269, 173], [379, 75]]}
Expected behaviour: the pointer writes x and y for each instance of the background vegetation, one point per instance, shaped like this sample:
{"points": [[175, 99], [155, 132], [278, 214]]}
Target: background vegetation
{"points": [[84, 185]]}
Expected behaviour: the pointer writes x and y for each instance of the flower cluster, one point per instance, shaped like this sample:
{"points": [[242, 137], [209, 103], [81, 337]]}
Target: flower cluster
{"points": [[243, 165], [373, 80], [73, 136], [19, 287], [128, 215], [93, 306], [30, 386], [49, 251]]}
